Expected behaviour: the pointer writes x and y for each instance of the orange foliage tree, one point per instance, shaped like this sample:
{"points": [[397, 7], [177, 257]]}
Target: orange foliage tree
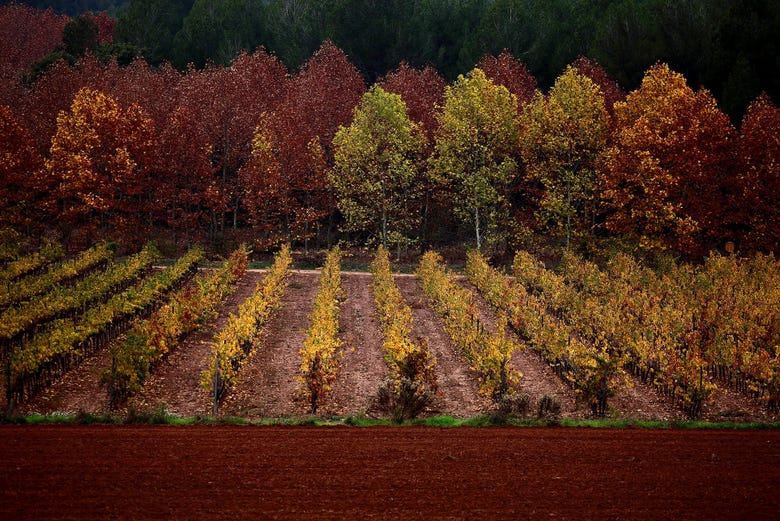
{"points": [[662, 180], [97, 165]]}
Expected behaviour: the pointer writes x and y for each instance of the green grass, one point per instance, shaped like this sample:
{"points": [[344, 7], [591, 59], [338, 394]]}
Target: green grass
{"points": [[161, 417]]}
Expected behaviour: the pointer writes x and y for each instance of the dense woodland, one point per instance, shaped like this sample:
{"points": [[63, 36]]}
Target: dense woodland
{"points": [[409, 126], [728, 46]]}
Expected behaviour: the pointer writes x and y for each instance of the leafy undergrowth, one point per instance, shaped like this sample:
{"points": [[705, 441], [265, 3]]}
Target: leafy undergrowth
{"points": [[161, 417]]}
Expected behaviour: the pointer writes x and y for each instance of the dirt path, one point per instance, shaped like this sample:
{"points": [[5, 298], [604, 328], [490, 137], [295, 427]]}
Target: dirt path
{"points": [[175, 384], [266, 383], [538, 378], [83, 472], [458, 384], [362, 366]]}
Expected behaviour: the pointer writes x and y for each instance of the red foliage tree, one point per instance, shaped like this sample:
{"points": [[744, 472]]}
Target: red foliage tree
{"points": [[758, 175], [609, 88], [422, 90], [20, 180], [28, 34], [511, 73], [105, 26], [320, 98], [228, 102]]}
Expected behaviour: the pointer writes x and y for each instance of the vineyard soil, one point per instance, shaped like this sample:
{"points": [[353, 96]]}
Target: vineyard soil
{"points": [[81, 472]]}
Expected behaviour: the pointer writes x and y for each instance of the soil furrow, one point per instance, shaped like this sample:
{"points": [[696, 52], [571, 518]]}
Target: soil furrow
{"points": [[362, 366], [458, 384], [267, 384]]}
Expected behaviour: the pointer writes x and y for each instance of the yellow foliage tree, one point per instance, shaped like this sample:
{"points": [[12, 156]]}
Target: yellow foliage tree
{"points": [[561, 137], [475, 149], [97, 163]]}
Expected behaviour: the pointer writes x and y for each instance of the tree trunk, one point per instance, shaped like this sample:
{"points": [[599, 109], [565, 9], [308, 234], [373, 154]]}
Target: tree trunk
{"points": [[476, 227]]}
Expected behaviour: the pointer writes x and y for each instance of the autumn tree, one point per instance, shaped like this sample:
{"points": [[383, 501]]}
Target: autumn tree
{"points": [[376, 167], [20, 183], [421, 89], [609, 87], [228, 102], [475, 149], [28, 35], [561, 137], [265, 192], [95, 161], [758, 175], [319, 99], [511, 73], [661, 181]]}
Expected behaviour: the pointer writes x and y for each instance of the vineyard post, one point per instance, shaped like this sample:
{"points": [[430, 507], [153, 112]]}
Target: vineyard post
{"points": [[216, 384]]}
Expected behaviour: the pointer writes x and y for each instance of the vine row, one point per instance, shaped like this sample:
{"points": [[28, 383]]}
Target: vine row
{"points": [[153, 339], [235, 341], [318, 355], [50, 354], [488, 353]]}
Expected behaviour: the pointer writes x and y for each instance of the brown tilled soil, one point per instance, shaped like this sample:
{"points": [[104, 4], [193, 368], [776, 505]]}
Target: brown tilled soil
{"points": [[267, 386], [362, 366], [458, 385], [107, 472]]}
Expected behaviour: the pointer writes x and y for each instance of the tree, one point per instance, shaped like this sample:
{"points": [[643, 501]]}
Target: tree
{"points": [[28, 35], [758, 175], [561, 137], [507, 71], [320, 98], [376, 166], [421, 89], [475, 148], [20, 163], [661, 181], [228, 101], [217, 31], [95, 160], [151, 26], [609, 88], [266, 194]]}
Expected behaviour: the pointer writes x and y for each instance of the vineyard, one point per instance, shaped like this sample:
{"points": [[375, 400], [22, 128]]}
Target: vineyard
{"points": [[92, 332]]}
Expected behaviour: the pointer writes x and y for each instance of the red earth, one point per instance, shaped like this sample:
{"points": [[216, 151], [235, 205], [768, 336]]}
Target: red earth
{"points": [[109, 472]]}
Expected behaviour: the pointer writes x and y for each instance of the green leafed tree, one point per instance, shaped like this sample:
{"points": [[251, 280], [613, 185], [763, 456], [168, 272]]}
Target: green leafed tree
{"points": [[561, 137], [475, 150], [376, 167]]}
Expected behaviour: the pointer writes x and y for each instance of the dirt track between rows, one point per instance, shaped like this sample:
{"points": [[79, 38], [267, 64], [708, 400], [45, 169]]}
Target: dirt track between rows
{"points": [[108, 472]]}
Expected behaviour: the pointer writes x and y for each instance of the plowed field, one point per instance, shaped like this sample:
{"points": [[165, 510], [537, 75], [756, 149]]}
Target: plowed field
{"points": [[107, 472]]}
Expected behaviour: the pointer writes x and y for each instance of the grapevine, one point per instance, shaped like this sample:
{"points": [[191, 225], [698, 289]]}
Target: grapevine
{"points": [[30, 264], [411, 365], [93, 258], [51, 353], [318, 355], [488, 353], [589, 367], [153, 339], [17, 324]]}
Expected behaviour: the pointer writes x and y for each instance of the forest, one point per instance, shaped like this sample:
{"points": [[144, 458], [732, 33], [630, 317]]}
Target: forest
{"points": [[310, 140]]}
